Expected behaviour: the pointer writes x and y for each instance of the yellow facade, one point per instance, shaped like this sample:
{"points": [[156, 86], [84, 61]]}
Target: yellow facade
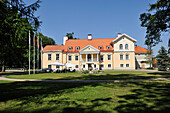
{"points": [[89, 57]]}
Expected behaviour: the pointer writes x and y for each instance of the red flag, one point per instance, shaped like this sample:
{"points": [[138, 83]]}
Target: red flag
{"points": [[34, 40], [38, 42]]}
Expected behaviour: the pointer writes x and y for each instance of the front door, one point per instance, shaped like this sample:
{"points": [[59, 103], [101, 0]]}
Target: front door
{"points": [[89, 67]]}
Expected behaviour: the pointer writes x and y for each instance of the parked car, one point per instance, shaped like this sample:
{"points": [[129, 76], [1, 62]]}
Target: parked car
{"points": [[47, 70]]}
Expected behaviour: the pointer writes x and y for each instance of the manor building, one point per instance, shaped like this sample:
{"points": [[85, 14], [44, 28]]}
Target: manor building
{"points": [[106, 53]]}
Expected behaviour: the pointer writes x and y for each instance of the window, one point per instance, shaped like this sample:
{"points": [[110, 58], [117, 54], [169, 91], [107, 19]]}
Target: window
{"points": [[76, 58], [121, 65], [101, 66], [101, 57], [69, 48], [94, 65], [89, 48], [49, 66], [100, 47], [77, 48], [57, 67], [109, 65], [127, 65], [126, 46], [109, 57], [57, 56], [127, 56], [121, 46], [69, 58], [121, 57], [84, 65], [77, 66], [108, 47], [49, 56]]}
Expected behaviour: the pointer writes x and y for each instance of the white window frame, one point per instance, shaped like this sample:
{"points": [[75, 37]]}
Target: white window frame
{"points": [[77, 66], [50, 57], [100, 47], [128, 64], [102, 65], [122, 65], [70, 48], [77, 48], [101, 57], [120, 56], [50, 67], [108, 57], [126, 46], [58, 56], [77, 58], [121, 45], [108, 47], [110, 65], [70, 57], [128, 57]]}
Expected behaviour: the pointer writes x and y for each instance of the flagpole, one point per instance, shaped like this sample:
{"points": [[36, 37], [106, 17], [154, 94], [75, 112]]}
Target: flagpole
{"points": [[29, 51], [37, 52], [34, 52], [41, 53]]}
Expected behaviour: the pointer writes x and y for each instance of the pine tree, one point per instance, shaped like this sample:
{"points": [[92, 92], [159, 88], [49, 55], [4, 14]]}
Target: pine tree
{"points": [[163, 60]]}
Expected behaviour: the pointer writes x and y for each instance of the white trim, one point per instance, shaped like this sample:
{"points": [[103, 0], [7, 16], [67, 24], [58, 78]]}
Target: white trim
{"points": [[52, 51], [125, 68], [120, 36], [123, 51], [97, 51]]}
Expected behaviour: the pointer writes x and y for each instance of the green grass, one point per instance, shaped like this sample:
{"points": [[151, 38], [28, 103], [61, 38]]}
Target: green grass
{"points": [[51, 97], [107, 75]]}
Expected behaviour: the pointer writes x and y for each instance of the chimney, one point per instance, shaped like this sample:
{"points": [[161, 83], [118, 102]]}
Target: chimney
{"points": [[64, 39], [119, 34], [89, 36]]}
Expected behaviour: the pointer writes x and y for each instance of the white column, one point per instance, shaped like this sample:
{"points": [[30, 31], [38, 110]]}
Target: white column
{"points": [[86, 57], [80, 57], [97, 57], [92, 57]]}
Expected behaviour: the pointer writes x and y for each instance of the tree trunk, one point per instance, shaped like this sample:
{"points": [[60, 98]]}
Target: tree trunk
{"points": [[3, 66]]}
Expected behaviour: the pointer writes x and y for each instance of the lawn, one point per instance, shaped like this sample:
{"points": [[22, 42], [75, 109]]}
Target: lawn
{"points": [[107, 75], [51, 97]]}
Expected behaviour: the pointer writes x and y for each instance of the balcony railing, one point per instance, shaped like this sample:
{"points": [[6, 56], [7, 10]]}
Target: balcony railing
{"points": [[89, 60]]}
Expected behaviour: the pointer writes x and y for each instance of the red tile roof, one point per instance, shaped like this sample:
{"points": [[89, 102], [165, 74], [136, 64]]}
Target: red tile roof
{"points": [[81, 43], [139, 49], [53, 47], [85, 42]]}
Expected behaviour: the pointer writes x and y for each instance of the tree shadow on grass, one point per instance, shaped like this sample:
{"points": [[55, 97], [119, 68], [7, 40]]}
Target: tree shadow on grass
{"points": [[30, 96], [151, 97], [108, 77]]}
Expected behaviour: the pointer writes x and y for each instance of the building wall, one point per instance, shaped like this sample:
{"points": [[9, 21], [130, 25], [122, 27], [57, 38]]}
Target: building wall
{"points": [[140, 58], [105, 62], [131, 60], [124, 41], [46, 62]]}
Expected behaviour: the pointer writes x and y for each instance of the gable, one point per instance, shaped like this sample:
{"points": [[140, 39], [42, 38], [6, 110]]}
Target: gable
{"points": [[124, 36], [89, 49]]}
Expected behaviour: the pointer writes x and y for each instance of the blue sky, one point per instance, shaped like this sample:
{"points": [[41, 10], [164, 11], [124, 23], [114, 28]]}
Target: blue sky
{"points": [[101, 18]]}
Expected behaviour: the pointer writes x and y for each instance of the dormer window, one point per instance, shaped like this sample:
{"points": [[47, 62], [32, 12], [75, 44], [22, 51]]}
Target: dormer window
{"points": [[70, 48], [77, 48], [100, 47], [108, 47], [121, 46]]}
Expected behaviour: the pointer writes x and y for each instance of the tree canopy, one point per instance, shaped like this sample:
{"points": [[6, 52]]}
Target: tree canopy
{"points": [[16, 19], [156, 21], [163, 60]]}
